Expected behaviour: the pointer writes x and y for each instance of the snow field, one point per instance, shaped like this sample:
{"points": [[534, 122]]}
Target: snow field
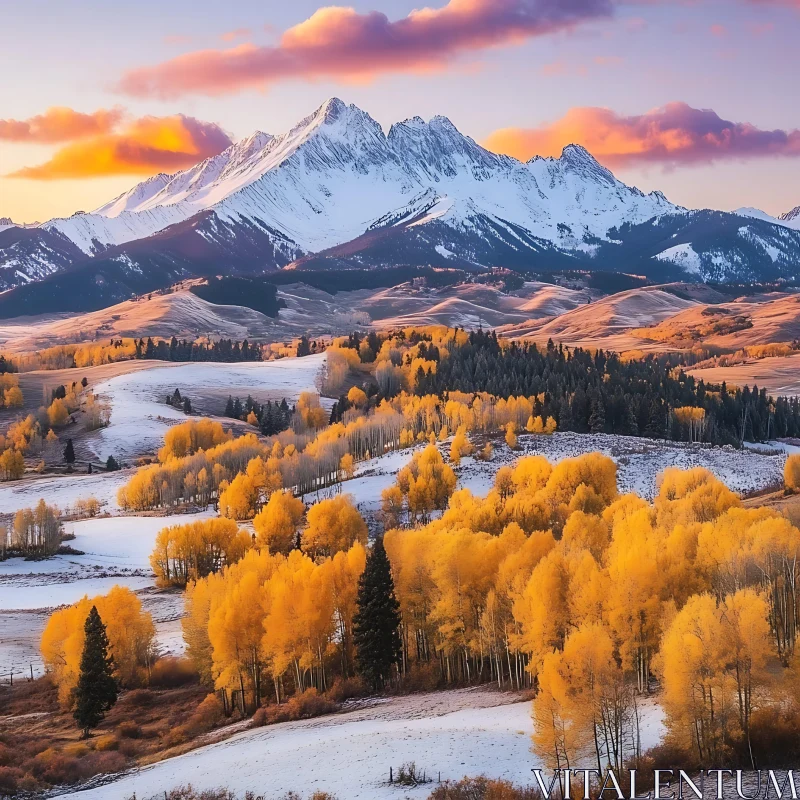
{"points": [[116, 553], [63, 490], [453, 733], [140, 417]]}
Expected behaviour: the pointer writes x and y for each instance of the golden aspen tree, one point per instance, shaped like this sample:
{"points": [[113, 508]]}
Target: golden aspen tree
{"points": [[130, 633], [278, 522], [543, 609], [791, 473], [347, 467], [698, 698], [511, 436], [392, 506], [357, 397], [234, 633], [586, 532], [57, 414], [342, 573], [187, 552], [334, 524]]}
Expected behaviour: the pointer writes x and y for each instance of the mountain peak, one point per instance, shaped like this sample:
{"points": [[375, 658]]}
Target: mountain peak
{"points": [[576, 153], [331, 109], [791, 216]]}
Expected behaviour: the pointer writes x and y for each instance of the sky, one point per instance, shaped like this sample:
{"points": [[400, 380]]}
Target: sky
{"points": [[696, 98]]}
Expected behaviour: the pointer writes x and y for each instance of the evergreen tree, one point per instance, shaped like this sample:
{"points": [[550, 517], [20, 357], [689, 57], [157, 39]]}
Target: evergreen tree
{"points": [[69, 453], [597, 419], [229, 407], [111, 464], [187, 405], [376, 624], [303, 347], [96, 691]]}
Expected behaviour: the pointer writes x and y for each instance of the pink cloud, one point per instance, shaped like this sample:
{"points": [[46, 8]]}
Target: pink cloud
{"points": [[238, 33], [718, 30], [672, 135], [608, 61], [343, 43]]}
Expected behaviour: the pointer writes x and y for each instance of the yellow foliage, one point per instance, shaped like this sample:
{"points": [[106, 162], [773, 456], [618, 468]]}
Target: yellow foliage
{"points": [[791, 473], [130, 633], [187, 552], [190, 436], [334, 524], [278, 522], [357, 397]]}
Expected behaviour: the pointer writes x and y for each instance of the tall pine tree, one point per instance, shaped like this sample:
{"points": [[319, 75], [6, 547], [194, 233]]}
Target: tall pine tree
{"points": [[69, 453], [376, 625], [96, 691]]}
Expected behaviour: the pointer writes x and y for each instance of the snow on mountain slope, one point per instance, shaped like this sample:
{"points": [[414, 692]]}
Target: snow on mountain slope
{"points": [[791, 219], [93, 233], [684, 256], [335, 190], [335, 173]]}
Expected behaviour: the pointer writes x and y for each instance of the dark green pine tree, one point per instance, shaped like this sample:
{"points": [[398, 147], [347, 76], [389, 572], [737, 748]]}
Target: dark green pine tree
{"points": [[69, 453], [376, 625], [597, 418], [96, 691]]}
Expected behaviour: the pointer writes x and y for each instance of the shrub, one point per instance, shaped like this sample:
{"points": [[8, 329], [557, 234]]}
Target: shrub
{"points": [[206, 716], [9, 779], [791, 473], [129, 730], [347, 688], [301, 706], [138, 698], [260, 717], [7, 756], [409, 775], [106, 742], [171, 672], [482, 788]]}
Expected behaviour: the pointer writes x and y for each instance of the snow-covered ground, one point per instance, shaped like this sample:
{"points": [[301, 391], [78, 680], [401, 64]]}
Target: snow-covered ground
{"points": [[140, 417], [63, 490], [454, 733], [116, 552], [639, 462]]}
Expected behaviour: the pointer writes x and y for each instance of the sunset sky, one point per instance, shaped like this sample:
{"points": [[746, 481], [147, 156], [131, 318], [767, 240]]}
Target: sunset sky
{"points": [[698, 98]]}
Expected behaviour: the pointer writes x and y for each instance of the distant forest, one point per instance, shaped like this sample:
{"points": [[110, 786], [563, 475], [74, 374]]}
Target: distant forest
{"points": [[271, 418], [593, 393], [225, 350], [247, 292]]}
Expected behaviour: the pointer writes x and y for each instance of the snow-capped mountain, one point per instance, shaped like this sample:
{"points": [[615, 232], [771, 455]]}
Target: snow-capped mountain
{"points": [[336, 189], [792, 217], [333, 174]]}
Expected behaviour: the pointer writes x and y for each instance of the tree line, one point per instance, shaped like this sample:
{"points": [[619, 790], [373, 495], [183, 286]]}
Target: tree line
{"points": [[223, 350], [601, 392], [270, 418]]}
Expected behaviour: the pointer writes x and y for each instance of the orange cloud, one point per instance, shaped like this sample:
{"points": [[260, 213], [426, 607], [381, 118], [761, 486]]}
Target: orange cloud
{"points": [[144, 146], [343, 43], [674, 134], [59, 124]]}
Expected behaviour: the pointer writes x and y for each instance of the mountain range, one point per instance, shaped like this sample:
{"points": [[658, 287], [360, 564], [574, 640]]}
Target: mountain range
{"points": [[336, 192]]}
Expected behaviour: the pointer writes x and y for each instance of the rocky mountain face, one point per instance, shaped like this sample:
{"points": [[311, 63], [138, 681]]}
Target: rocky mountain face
{"points": [[337, 190]]}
